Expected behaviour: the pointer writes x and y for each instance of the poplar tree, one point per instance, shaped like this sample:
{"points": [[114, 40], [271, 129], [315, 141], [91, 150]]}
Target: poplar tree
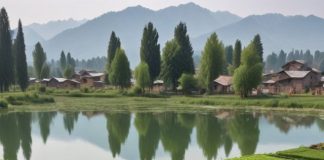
{"points": [[114, 44], [258, 46], [229, 55], [212, 62], [6, 57], [120, 74], [63, 62], [150, 51], [186, 65], [39, 57], [237, 54], [20, 62]]}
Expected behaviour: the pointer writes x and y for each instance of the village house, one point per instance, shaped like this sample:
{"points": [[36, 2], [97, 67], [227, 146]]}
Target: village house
{"points": [[89, 78], [158, 86], [296, 77], [60, 83], [223, 84]]}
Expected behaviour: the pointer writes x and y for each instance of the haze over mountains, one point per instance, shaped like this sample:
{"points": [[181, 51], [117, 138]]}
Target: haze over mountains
{"points": [[89, 39]]}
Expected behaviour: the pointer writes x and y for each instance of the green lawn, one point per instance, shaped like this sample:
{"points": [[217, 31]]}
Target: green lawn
{"points": [[258, 157]]}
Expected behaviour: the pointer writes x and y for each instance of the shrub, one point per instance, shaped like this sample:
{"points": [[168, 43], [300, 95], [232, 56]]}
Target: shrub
{"points": [[3, 104], [75, 94], [187, 83], [85, 90], [42, 89], [35, 99], [137, 90], [273, 103]]}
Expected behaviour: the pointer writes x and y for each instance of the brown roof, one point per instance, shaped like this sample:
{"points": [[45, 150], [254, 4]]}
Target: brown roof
{"points": [[224, 80], [294, 61], [269, 82], [297, 74]]}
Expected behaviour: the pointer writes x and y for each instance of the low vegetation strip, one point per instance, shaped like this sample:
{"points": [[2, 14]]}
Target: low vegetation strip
{"points": [[303, 153], [259, 157], [28, 99]]}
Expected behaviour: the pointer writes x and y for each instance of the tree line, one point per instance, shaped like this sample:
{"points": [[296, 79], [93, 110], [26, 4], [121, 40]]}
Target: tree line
{"points": [[177, 64], [275, 61]]}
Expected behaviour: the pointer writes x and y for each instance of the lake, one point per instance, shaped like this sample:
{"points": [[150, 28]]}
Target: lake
{"points": [[163, 135]]}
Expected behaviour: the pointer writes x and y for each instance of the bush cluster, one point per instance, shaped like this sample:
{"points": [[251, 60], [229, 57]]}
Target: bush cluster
{"points": [[34, 99]]}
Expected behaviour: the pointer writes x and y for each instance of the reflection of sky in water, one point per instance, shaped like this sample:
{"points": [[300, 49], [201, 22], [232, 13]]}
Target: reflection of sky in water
{"points": [[89, 140]]}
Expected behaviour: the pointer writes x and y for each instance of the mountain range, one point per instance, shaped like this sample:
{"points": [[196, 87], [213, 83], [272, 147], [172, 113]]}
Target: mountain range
{"points": [[87, 39]]}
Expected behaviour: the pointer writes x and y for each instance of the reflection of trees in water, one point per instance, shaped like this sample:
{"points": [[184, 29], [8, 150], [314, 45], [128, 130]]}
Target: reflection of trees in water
{"points": [[45, 120], [69, 119], [149, 135], [285, 122], [244, 129], [24, 128], [9, 136], [209, 135], [320, 124], [118, 125], [175, 137]]}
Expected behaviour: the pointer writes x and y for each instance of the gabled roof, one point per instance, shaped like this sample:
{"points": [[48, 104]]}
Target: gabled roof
{"points": [[294, 61], [269, 82], [96, 74], [297, 74], [158, 82], [224, 80]]}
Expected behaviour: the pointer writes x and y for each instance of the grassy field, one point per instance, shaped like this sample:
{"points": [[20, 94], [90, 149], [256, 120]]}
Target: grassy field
{"points": [[113, 100], [302, 153]]}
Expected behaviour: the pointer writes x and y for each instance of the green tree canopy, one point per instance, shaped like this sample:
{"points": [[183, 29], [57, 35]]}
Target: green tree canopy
{"points": [[114, 44], [237, 54], [63, 61], [249, 74], [142, 76], [20, 62], [39, 57], [170, 71], [6, 57], [258, 46], [150, 50], [212, 60], [120, 74], [68, 72], [186, 65], [187, 83]]}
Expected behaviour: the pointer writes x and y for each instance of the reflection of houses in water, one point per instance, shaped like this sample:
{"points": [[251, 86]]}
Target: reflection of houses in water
{"points": [[91, 114]]}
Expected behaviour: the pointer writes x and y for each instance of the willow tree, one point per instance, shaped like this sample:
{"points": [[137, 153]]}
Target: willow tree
{"points": [[212, 62], [249, 74], [142, 76]]}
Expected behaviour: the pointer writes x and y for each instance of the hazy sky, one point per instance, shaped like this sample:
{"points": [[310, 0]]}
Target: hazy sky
{"points": [[45, 10]]}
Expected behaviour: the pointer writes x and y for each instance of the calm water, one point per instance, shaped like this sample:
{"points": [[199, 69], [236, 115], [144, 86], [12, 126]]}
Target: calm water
{"points": [[102, 136]]}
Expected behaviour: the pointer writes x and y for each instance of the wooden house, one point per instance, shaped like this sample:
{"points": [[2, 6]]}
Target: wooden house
{"points": [[223, 84], [60, 83], [296, 77], [89, 78]]}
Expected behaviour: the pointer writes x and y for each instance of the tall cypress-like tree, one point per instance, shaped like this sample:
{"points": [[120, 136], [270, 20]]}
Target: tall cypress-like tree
{"points": [[20, 62], [6, 57], [186, 65], [237, 54], [150, 50], [229, 55], [39, 57], [258, 46], [120, 74], [63, 62], [212, 62], [114, 44]]}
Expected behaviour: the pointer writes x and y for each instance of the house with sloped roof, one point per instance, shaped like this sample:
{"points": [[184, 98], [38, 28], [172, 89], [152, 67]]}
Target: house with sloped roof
{"points": [[223, 84], [60, 83], [295, 77], [89, 78]]}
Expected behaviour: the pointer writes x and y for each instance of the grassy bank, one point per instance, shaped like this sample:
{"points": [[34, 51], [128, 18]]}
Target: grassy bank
{"points": [[115, 101], [297, 153]]}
